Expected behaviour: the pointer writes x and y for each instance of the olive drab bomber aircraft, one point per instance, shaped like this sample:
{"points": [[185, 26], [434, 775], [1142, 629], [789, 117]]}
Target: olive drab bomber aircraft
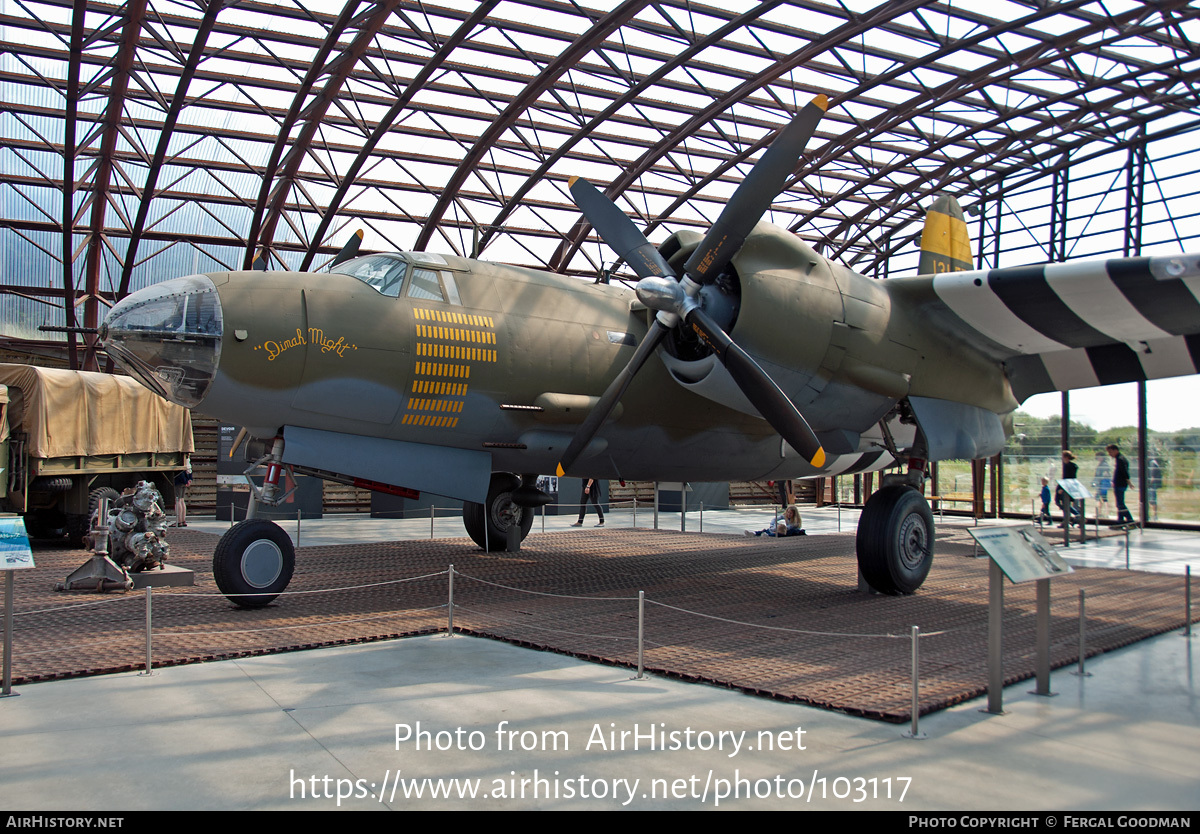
{"points": [[742, 355]]}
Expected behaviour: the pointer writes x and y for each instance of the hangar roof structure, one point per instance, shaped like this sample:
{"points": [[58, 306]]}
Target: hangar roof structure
{"points": [[154, 138]]}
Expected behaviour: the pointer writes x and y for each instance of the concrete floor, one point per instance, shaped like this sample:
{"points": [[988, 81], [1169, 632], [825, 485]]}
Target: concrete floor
{"points": [[270, 732]]}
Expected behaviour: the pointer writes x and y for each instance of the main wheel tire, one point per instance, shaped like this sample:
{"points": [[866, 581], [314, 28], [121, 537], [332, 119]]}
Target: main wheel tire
{"points": [[895, 540], [254, 557], [501, 513]]}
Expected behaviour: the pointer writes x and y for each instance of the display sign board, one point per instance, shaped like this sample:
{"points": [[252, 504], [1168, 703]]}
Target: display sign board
{"points": [[1075, 488], [14, 545], [1021, 552]]}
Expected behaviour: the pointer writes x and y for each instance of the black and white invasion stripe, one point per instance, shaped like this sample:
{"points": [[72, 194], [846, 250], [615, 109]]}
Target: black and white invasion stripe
{"points": [[1084, 323]]}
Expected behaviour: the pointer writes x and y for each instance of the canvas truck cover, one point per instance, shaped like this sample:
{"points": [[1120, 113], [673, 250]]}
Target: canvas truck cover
{"points": [[67, 413], [3, 413]]}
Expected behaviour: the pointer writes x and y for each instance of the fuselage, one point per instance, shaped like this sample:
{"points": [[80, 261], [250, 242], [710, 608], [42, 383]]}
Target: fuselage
{"points": [[452, 352]]}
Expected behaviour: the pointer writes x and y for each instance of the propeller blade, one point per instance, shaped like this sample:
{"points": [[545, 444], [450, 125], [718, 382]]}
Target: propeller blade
{"points": [[350, 250], [754, 196], [618, 231], [611, 396], [759, 388]]}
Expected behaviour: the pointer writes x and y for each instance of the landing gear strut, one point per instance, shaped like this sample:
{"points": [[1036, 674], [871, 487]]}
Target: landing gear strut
{"points": [[895, 540], [487, 524]]}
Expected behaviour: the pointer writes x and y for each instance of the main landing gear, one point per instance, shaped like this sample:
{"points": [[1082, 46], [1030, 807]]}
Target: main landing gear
{"points": [[487, 524], [895, 539]]}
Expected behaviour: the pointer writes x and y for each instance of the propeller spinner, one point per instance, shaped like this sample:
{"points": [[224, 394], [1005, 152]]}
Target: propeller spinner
{"points": [[675, 300]]}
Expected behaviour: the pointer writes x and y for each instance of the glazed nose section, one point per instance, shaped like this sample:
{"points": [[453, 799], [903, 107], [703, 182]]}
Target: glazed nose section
{"points": [[169, 337]]}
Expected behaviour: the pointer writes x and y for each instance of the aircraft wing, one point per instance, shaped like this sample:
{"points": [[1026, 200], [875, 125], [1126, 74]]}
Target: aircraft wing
{"points": [[1077, 324]]}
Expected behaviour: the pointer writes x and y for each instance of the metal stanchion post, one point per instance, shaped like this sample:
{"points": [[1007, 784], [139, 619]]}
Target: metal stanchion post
{"points": [[1126, 547], [543, 518], [641, 631], [915, 732], [1187, 601], [995, 704], [683, 510], [635, 509], [297, 528], [450, 603], [656, 505], [431, 509], [701, 516], [1067, 521], [1042, 662], [1080, 672], [149, 609], [8, 630]]}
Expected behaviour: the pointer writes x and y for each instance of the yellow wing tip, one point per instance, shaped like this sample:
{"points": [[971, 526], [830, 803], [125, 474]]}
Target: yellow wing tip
{"points": [[559, 471], [818, 459], [822, 101]]}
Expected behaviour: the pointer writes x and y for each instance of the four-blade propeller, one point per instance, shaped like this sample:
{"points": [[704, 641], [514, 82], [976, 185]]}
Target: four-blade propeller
{"points": [[675, 300]]}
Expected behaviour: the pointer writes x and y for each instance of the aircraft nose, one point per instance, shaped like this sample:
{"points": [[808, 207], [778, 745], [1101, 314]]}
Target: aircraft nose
{"points": [[168, 336]]}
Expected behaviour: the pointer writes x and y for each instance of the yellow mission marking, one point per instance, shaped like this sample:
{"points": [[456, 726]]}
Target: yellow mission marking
{"points": [[455, 352], [428, 386], [454, 318], [429, 420], [469, 331], [439, 369], [415, 404], [454, 334]]}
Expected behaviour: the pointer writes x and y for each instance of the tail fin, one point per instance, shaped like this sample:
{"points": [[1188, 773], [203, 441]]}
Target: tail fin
{"points": [[945, 243]]}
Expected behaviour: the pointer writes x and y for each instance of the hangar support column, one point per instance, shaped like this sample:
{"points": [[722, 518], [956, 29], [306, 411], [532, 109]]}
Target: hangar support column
{"points": [[1135, 187]]}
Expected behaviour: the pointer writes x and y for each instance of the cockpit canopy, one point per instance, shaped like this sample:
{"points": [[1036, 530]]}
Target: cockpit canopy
{"points": [[417, 275]]}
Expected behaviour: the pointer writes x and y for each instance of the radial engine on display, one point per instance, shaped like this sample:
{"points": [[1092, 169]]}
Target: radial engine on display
{"points": [[136, 529]]}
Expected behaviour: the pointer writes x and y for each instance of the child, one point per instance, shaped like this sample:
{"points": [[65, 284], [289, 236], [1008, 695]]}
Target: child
{"points": [[1045, 499], [789, 525]]}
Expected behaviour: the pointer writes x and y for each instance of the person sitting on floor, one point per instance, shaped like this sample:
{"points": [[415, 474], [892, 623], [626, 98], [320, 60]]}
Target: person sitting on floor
{"points": [[789, 525]]}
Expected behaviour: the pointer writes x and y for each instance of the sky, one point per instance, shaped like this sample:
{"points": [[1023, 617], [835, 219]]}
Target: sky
{"points": [[1171, 405]]}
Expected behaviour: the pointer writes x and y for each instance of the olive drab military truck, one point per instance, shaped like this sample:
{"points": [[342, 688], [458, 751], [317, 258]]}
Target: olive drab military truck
{"points": [[70, 438]]}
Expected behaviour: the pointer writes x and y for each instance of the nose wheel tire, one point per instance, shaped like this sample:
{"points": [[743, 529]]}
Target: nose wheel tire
{"points": [[497, 515], [254, 562], [895, 540]]}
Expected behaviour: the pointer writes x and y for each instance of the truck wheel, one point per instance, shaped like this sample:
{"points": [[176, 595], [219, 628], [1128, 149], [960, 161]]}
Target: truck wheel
{"points": [[254, 562], [895, 540], [501, 512], [46, 525]]}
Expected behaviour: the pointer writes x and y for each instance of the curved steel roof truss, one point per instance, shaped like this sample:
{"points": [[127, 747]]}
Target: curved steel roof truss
{"points": [[148, 138]]}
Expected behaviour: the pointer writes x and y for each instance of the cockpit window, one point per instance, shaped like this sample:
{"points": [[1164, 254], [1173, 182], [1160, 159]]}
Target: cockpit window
{"points": [[383, 272], [451, 289], [425, 285]]}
